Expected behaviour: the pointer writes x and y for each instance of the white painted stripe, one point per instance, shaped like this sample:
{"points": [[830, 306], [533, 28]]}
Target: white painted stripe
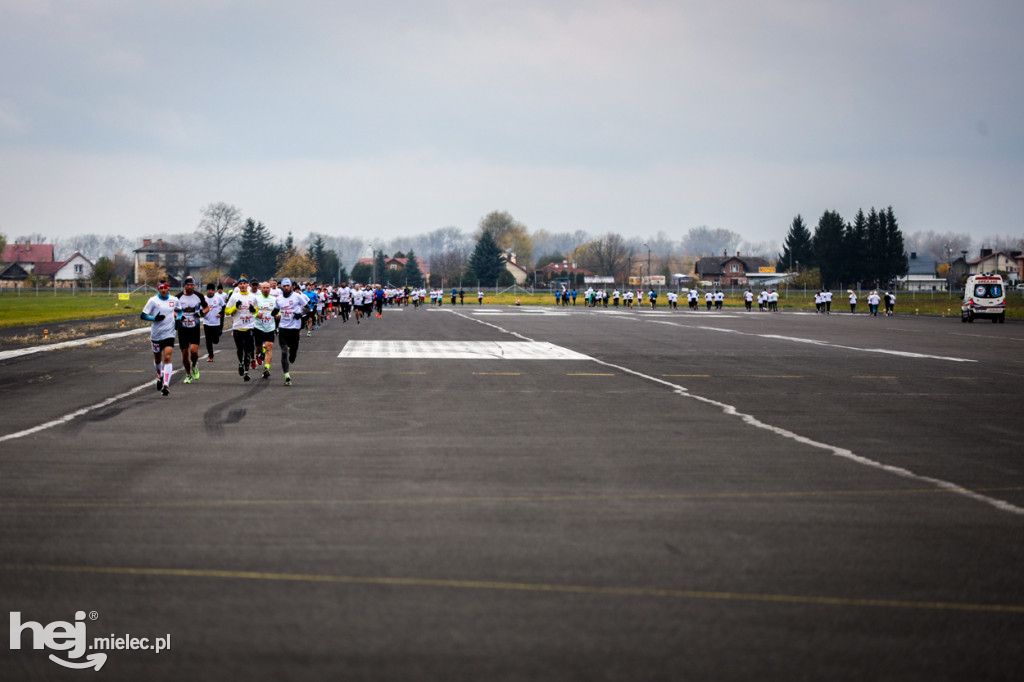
{"points": [[818, 342], [458, 350], [78, 413], [785, 433], [19, 352]]}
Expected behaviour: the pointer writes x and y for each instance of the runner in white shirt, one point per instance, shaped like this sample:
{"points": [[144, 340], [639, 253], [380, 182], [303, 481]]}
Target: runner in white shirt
{"points": [[345, 301], [213, 321], [748, 298], [826, 298], [241, 306], [264, 327], [291, 305], [853, 302], [873, 301], [161, 311]]}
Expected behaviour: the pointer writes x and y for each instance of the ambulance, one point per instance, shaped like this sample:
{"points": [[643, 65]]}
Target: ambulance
{"points": [[984, 298]]}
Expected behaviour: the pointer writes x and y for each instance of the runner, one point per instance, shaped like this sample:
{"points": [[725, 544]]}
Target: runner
{"points": [[264, 326], [345, 301], [241, 308], [291, 305], [213, 321], [191, 307], [160, 310]]}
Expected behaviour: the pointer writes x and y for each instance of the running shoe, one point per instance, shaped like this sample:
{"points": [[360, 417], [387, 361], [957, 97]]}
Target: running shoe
{"points": [[188, 378], [287, 380], [209, 359], [241, 368], [253, 364], [245, 377], [165, 391], [266, 373], [309, 333], [159, 383], [195, 372]]}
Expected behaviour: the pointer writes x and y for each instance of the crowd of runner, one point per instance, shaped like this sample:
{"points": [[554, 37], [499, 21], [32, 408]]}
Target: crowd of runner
{"points": [[260, 315], [269, 312]]}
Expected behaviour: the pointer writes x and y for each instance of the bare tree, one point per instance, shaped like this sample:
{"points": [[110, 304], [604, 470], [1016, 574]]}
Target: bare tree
{"points": [[708, 241], [608, 255], [448, 265], [219, 230], [942, 246], [769, 250], [509, 233]]}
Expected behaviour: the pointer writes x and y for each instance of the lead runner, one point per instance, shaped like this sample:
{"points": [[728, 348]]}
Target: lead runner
{"points": [[161, 310]]}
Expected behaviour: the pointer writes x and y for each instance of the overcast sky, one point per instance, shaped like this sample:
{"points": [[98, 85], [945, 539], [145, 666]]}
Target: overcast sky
{"points": [[397, 117]]}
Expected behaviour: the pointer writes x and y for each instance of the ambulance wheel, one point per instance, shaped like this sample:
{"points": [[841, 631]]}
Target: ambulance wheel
{"points": [[1002, 318]]}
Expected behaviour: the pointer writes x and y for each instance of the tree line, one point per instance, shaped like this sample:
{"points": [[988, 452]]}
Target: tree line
{"points": [[869, 251]]}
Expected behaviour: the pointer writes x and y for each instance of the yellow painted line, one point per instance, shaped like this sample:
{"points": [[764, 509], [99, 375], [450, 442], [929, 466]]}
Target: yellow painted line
{"points": [[589, 374], [529, 499], [498, 374], [498, 586], [410, 372]]}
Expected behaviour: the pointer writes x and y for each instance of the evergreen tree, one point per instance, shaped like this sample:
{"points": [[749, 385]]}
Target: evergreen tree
{"points": [[316, 253], [874, 249], [828, 248], [412, 273], [895, 263], [330, 269], [361, 273], [487, 261], [798, 250], [855, 248], [380, 268], [257, 254]]}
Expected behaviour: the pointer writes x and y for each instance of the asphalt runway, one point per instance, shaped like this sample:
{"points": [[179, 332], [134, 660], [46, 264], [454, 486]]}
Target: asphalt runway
{"points": [[512, 493]]}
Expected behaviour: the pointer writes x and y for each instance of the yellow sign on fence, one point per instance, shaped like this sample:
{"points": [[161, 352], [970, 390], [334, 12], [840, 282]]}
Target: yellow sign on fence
{"points": [[766, 269], [124, 297]]}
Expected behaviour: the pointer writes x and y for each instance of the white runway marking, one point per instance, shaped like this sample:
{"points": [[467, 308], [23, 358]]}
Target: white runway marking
{"points": [[816, 342], [458, 350], [78, 413], [19, 352], [785, 433]]}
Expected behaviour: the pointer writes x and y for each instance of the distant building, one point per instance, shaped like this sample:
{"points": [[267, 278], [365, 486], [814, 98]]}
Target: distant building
{"points": [[921, 275], [170, 257], [994, 261], [76, 270], [27, 255], [518, 271], [729, 271], [561, 271], [395, 264]]}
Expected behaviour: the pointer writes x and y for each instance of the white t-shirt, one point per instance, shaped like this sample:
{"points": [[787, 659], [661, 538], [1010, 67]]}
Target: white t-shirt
{"points": [[291, 309], [241, 319], [265, 306], [216, 303], [191, 308], [164, 329]]}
